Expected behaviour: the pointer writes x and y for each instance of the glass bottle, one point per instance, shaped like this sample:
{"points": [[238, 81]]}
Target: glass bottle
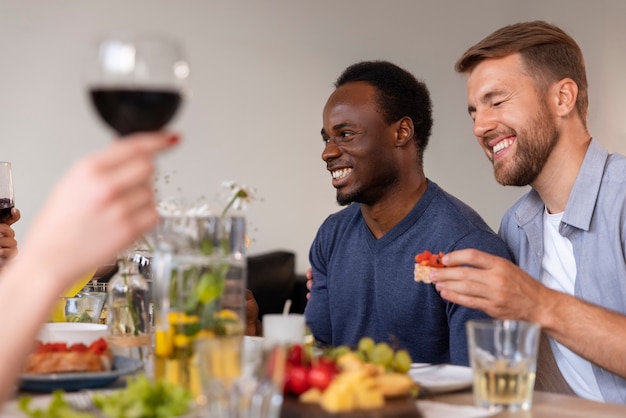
{"points": [[142, 256], [128, 314]]}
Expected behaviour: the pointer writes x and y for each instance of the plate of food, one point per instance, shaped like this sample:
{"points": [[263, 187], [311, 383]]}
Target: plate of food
{"points": [[74, 366], [72, 381], [440, 378]]}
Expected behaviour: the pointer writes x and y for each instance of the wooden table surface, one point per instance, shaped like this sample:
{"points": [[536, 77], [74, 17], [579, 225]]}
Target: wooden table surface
{"points": [[545, 405]]}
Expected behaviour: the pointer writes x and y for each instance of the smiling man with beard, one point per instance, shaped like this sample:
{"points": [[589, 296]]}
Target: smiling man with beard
{"points": [[376, 126], [527, 96]]}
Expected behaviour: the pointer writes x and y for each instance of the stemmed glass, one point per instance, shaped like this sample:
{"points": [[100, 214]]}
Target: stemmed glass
{"points": [[6, 191], [136, 81]]}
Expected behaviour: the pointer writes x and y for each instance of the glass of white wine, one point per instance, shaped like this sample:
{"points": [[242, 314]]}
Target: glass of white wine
{"points": [[503, 355]]}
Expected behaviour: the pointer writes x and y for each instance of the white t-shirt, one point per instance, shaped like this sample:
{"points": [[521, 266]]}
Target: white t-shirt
{"points": [[559, 273]]}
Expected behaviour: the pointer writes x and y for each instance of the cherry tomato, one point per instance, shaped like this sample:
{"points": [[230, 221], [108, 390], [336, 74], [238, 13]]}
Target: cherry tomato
{"points": [[296, 379], [99, 346], [320, 376], [78, 347], [52, 348], [295, 355], [326, 362]]}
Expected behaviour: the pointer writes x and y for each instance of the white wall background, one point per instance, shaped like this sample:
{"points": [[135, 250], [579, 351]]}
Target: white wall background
{"points": [[261, 73]]}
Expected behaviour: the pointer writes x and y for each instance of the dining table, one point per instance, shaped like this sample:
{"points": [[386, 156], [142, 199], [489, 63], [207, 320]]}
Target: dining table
{"points": [[457, 404], [445, 391]]}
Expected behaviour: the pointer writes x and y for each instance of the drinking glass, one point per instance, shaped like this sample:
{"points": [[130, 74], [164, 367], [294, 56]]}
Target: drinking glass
{"points": [[6, 191], [136, 81], [503, 355], [246, 384]]}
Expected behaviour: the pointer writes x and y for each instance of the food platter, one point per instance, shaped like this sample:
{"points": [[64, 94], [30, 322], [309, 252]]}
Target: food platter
{"points": [[440, 378], [400, 407], [122, 366]]}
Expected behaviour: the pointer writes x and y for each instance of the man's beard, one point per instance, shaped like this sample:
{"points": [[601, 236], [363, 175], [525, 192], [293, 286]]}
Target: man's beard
{"points": [[345, 200], [533, 148], [371, 193]]}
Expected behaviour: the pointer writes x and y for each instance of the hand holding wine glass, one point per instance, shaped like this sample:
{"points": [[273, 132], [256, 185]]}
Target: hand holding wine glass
{"points": [[8, 216], [6, 191], [136, 82]]}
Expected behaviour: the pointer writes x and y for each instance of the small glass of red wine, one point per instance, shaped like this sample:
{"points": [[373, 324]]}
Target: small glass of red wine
{"points": [[6, 191], [136, 82]]}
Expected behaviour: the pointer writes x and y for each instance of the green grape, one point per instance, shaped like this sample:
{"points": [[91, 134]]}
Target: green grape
{"points": [[338, 351], [382, 354], [366, 345], [401, 361]]}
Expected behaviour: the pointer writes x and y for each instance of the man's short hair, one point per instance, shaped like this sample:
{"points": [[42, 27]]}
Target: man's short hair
{"points": [[548, 55], [399, 94]]}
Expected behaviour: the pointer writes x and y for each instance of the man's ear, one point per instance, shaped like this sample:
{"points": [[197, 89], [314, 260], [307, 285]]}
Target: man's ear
{"points": [[405, 131], [565, 93]]}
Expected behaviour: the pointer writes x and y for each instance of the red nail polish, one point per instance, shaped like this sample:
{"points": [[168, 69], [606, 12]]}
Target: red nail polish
{"points": [[173, 139]]}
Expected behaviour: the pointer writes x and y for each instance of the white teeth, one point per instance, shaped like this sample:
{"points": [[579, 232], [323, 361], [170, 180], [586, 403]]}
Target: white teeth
{"points": [[338, 174], [502, 145]]}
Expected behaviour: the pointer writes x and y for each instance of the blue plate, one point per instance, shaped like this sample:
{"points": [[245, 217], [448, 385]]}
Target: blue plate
{"points": [[76, 381]]}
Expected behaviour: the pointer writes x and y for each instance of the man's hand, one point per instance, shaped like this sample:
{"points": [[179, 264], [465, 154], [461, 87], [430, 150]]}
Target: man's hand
{"points": [[253, 325], [491, 284], [309, 281], [504, 291]]}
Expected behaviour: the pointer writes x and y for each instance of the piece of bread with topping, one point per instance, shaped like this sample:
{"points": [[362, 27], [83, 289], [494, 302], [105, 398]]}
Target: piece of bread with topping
{"points": [[424, 263], [61, 358]]}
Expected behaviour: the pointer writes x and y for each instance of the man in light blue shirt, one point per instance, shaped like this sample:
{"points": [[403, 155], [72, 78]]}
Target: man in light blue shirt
{"points": [[527, 96]]}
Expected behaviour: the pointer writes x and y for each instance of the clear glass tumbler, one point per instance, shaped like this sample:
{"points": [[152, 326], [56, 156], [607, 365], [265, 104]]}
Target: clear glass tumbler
{"points": [[503, 355]]}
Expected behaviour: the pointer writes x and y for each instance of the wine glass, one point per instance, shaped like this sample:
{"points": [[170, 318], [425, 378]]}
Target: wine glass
{"points": [[6, 191], [136, 81]]}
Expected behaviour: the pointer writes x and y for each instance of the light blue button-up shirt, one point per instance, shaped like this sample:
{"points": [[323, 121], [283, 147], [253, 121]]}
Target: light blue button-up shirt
{"points": [[595, 222]]}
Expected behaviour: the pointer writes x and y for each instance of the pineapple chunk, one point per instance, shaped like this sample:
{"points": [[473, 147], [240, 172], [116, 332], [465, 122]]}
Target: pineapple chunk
{"points": [[313, 395], [394, 384]]}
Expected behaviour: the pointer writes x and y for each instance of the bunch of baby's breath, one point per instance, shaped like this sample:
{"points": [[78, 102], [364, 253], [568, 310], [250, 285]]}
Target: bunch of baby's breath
{"points": [[231, 196], [239, 196]]}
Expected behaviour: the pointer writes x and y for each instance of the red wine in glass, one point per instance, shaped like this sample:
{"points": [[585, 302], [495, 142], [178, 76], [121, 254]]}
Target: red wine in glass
{"points": [[6, 205], [6, 191], [135, 81], [129, 111]]}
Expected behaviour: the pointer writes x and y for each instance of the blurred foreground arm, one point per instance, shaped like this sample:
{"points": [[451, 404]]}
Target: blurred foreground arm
{"points": [[101, 205]]}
